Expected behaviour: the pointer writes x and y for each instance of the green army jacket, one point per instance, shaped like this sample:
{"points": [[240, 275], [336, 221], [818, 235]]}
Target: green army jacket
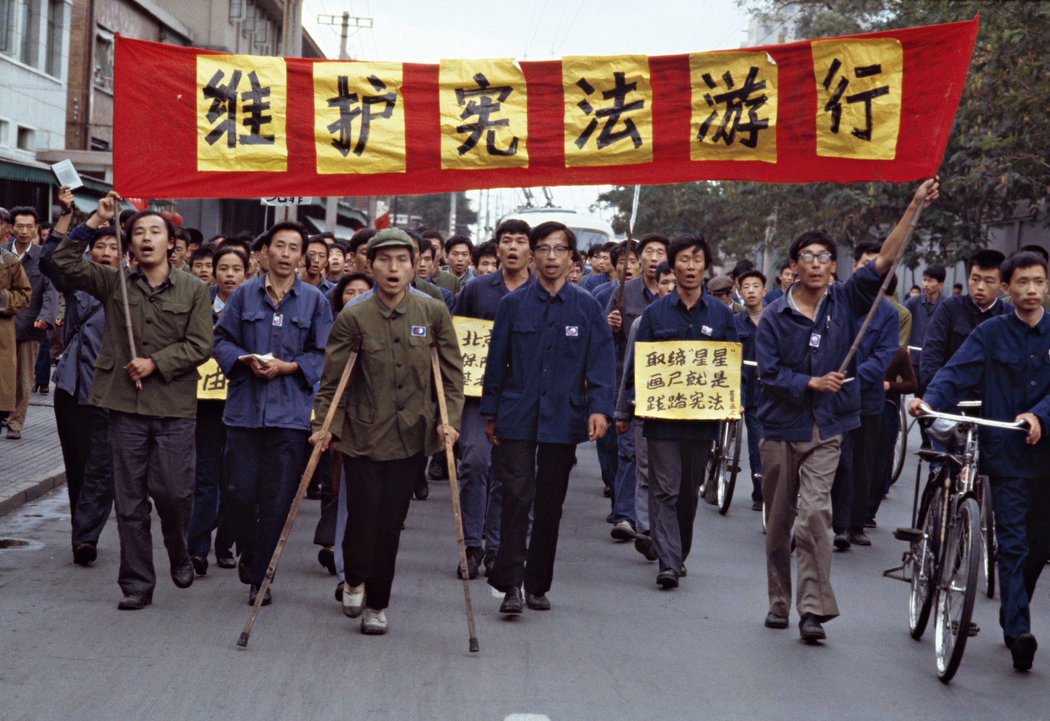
{"points": [[172, 326], [390, 409]]}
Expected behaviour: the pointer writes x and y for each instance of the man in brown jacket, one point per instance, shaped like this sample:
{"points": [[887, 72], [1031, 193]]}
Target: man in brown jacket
{"points": [[14, 298]]}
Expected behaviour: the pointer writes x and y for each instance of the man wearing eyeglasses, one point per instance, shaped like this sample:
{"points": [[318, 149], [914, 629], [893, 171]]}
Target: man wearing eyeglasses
{"points": [[548, 386], [805, 405]]}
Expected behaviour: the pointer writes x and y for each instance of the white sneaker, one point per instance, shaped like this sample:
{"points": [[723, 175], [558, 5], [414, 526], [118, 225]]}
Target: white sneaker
{"points": [[353, 600], [373, 623]]}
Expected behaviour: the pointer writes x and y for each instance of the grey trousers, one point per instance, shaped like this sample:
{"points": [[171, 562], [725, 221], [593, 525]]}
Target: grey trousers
{"points": [[641, 488], [675, 470], [153, 457], [802, 473]]}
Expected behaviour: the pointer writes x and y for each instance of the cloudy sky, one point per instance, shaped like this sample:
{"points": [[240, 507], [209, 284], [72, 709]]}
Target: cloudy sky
{"points": [[429, 30]]}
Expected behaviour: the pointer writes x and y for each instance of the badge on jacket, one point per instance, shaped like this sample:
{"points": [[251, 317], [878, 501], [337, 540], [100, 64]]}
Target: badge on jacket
{"points": [[572, 331], [278, 320], [420, 331], [705, 329], [814, 340]]}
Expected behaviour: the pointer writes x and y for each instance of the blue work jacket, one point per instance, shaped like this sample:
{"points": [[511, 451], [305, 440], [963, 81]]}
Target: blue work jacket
{"points": [[791, 349], [1012, 362], [551, 364], [952, 322], [480, 298], [295, 331], [591, 282], [746, 330], [771, 296], [874, 355], [667, 318]]}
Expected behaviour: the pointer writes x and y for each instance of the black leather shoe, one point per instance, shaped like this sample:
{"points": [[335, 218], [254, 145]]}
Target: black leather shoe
{"points": [[473, 558], [859, 538], [538, 602], [775, 621], [200, 565], [226, 562], [511, 602], [809, 629], [326, 557], [244, 572], [842, 542], [667, 579], [182, 574], [1023, 650], [85, 554], [643, 543], [489, 561], [422, 489], [253, 593], [134, 601]]}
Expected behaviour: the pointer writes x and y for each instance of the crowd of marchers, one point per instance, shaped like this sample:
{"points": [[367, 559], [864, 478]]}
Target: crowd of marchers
{"points": [[134, 306]]}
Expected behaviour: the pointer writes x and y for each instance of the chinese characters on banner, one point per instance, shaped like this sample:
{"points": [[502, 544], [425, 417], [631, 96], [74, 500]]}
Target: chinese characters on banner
{"points": [[473, 335], [212, 383], [688, 380], [866, 107]]}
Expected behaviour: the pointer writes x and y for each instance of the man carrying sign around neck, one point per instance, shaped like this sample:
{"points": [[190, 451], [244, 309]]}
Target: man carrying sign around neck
{"points": [[679, 450], [548, 386], [390, 422], [804, 407], [478, 489]]}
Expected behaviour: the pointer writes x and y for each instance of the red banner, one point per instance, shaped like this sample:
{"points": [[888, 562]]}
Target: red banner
{"points": [[194, 124]]}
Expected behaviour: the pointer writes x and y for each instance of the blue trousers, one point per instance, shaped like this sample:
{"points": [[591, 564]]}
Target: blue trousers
{"points": [[1022, 529], [264, 465], [475, 457], [754, 458], [210, 486], [626, 479], [608, 458]]}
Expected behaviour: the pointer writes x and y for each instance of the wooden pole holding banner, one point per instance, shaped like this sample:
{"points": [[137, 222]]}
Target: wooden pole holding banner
{"points": [[630, 229], [308, 474], [124, 282], [885, 283]]}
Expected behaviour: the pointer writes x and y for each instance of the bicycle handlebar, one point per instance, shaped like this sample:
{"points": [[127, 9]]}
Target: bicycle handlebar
{"points": [[928, 412]]}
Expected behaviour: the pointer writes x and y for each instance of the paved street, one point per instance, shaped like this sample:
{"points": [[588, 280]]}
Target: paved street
{"points": [[612, 647]]}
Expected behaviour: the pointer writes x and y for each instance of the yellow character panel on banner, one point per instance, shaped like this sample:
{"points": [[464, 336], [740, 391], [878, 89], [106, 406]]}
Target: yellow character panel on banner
{"points": [[734, 107], [359, 118], [241, 107], [212, 383], [858, 86], [689, 380], [484, 122], [473, 335], [608, 110]]}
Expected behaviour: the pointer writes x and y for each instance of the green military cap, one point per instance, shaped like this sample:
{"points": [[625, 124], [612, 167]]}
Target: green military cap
{"points": [[389, 237]]}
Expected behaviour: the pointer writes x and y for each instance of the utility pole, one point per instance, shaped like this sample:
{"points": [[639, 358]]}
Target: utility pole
{"points": [[292, 43], [332, 207], [452, 215]]}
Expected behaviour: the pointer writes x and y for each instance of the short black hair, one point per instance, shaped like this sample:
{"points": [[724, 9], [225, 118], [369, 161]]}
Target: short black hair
{"points": [[542, 230], [1032, 248], [229, 249], [1018, 261], [866, 246], [135, 217], [594, 250], [423, 243], [25, 210], [202, 253], [620, 249], [429, 235], [663, 269], [360, 238], [316, 240], [985, 259], [958, 287], [335, 298], [106, 231], [685, 241], [488, 248], [652, 238], [237, 243], [458, 240], [741, 267], [753, 273], [338, 245], [514, 226], [811, 237], [784, 266], [936, 272], [267, 237], [608, 247]]}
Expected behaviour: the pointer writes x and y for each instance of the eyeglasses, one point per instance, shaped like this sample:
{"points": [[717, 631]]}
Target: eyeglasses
{"points": [[558, 250], [810, 257]]}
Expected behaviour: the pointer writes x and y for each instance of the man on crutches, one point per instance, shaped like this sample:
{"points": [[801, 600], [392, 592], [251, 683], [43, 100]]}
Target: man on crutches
{"points": [[390, 422]]}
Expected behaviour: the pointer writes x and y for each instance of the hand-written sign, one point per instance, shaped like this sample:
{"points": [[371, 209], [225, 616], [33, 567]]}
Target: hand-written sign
{"points": [[473, 335], [689, 380], [212, 383]]}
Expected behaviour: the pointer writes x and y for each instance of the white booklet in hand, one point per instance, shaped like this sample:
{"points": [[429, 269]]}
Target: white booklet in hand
{"points": [[66, 174], [255, 356]]}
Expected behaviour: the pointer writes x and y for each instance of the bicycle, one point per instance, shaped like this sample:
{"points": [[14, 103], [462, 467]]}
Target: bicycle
{"points": [[941, 562], [724, 465]]}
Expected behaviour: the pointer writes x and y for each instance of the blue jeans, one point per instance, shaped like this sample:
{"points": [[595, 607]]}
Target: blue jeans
{"points": [[43, 362], [626, 479], [607, 458], [263, 465], [1022, 529], [475, 457], [754, 459], [211, 440]]}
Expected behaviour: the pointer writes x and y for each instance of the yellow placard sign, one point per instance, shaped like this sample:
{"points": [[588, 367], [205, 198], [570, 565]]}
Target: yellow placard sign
{"points": [[689, 380], [473, 335], [359, 118], [734, 107], [608, 110], [484, 122], [858, 86], [211, 386], [241, 107]]}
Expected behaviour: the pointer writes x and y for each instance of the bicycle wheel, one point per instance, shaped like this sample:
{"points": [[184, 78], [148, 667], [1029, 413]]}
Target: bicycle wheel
{"points": [[989, 548], [714, 465], [923, 558], [957, 588], [730, 466], [900, 447]]}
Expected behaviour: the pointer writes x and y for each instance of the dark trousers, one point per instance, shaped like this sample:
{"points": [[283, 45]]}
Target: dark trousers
{"points": [[151, 457], [888, 428], [754, 458], [608, 458], [324, 532], [842, 488], [377, 500], [533, 476], [1022, 529], [263, 466], [211, 484], [83, 431], [676, 468], [42, 371]]}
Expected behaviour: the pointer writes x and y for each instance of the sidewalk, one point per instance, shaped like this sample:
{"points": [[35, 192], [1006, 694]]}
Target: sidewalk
{"points": [[32, 466]]}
